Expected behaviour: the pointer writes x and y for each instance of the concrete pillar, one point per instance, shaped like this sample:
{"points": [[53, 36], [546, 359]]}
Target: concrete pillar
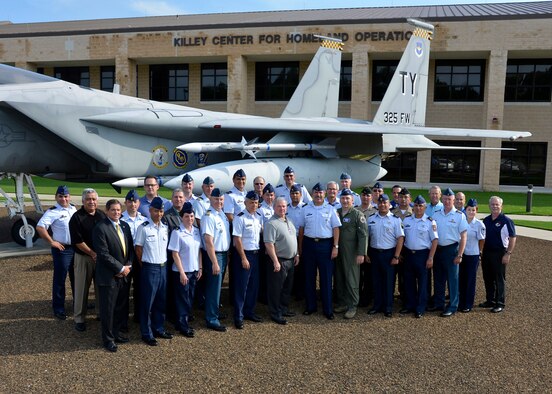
{"points": [[494, 116], [237, 84], [423, 167], [360, 95], [125, 75]]}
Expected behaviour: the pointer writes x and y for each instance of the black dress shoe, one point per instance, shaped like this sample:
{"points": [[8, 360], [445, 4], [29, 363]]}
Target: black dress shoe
{"points": [[150, 341], [189, 333], [404, 311], [80, 327], [388, 314], [497, 309], [277, 320], [60, 315], [238, 324], [465, 310], [330, 316], [121, 339], [289, 314], [418, 315], [308, 313], [219, 328], [434, 308], [372, 311], [447, 314], [110, 346], [487, 304], [163, 335], [254, 318]]}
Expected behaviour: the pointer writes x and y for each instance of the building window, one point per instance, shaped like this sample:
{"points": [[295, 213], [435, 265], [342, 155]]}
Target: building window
{"points": [[456, 166], [169, 82], [276, 81], [459, 80], [528, 80], [214, 82], [346, 80], [77, 75], [382, 74], [107, 78], [401, 167], [525, 165]]}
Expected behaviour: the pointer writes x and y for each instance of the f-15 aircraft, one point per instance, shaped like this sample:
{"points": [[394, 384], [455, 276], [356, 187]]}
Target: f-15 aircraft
{"points": [[64, 131]]}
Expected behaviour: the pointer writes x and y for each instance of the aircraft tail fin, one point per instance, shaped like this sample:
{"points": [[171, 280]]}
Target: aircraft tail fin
{"points": [[317, 94], [404, 102]]}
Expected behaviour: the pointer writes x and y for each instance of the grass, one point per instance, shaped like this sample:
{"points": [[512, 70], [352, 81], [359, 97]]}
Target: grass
{"points": [[533, 224], [514, 203]]}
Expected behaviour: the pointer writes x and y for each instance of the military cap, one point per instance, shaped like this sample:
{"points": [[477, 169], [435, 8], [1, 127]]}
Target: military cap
{"points": [[346, 192], [318, 187], [251, 195], [383, 197], [404, 192], [132, 195], [186, 208], [157, 203], [239, 174], [208, 181], [295, 188], [366, 190], [377, 185], [63, 190], [268, 188], [472, 202], [344, 175], [288, 170], [216, 192], [187, 178], [419, 200], [448, 192]]}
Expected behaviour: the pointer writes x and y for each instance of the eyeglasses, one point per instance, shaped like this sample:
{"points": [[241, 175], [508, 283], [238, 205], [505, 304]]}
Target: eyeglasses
{"points": [[288, 176]]}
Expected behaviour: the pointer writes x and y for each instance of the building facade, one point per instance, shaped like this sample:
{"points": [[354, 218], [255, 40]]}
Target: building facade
{"points": [[491, 67]]}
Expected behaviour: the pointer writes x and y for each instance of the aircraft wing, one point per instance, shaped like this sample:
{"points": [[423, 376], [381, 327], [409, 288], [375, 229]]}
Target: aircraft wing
{"points": [[340, 127]]}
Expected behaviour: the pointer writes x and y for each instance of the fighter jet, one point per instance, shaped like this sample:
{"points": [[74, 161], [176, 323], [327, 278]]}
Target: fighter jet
{"points": [[64, 131]]}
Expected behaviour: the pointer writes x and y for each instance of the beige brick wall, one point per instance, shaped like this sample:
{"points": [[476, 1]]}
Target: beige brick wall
{"points": [[494, 41]]}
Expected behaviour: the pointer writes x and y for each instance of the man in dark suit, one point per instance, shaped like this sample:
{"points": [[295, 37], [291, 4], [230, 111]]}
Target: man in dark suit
{"points": [[113, 244]]}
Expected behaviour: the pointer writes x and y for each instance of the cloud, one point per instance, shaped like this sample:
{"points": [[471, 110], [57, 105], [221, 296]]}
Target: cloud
{"points": [[154, 7]]}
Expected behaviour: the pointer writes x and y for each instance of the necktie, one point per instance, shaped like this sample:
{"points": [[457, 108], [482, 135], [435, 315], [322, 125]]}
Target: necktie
{"points": [[121, 238]]}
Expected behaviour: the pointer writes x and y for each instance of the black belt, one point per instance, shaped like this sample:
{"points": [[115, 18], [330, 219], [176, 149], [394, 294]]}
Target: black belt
{"points": [[447, 246], [382, 250], [154, 265], [256, 251], [415, 251], [319, 239]]}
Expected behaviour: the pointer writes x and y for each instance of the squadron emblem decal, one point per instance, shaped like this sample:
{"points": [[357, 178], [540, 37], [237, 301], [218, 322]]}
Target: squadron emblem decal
{"points": [[160, 156], [419, 49], [180, 158]]}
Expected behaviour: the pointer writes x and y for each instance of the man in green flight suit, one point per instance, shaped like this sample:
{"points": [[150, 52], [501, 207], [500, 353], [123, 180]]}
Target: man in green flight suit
{"points": [[353, 241]]}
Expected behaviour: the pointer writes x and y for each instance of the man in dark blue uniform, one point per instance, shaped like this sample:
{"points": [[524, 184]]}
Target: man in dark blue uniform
{"points": [[500, 241]]}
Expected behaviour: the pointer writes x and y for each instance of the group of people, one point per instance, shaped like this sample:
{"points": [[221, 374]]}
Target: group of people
{"points": [[275, 242]]}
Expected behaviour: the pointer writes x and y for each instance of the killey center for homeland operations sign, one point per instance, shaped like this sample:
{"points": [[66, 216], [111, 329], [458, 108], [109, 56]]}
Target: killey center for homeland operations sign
{"points": [[290, 38]]}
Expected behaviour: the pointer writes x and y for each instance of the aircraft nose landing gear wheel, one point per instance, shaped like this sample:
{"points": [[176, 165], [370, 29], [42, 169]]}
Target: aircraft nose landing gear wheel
{"points": [[19, 231]]}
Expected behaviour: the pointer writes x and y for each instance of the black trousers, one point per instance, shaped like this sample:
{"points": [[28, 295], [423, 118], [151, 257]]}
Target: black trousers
{"points": [[494, 276], [113, 308], [279, 285]]}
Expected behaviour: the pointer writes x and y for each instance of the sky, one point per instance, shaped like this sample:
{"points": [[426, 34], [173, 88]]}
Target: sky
{"points": [[30, 11]]}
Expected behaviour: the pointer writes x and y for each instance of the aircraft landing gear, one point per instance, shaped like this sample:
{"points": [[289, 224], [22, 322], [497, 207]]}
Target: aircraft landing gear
{"points": [[23, 230]]}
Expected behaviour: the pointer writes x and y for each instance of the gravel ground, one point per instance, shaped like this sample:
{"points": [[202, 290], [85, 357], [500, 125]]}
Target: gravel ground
{"points": [[475, 352]]}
